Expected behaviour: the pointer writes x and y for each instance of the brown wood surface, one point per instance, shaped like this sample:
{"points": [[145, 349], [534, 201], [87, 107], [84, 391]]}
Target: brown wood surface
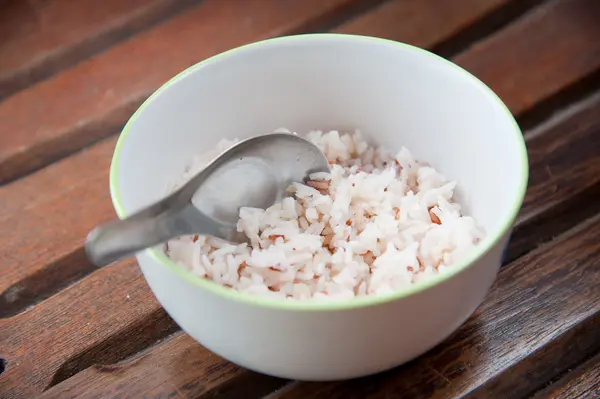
{"points": [[69, 330], [93, 99], [429, 23], [581, 383], [100, 99], [178, 366], [39, 38], [111, 314], [562, 192], [56, 203], [555, 45]]}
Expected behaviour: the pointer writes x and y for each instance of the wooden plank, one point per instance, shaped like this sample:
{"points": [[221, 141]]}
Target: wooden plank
{"points": [[98, 104], [560, 196], [110, 313], [524, 315], [581, 383], [93, 99], [49, 214], [178, 366], [549, 49], [40, 38], [424, 23], [541, 317], [578, 132]]}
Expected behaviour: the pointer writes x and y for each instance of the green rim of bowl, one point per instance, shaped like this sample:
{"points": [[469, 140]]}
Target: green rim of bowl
{"points": [[326, 305]]}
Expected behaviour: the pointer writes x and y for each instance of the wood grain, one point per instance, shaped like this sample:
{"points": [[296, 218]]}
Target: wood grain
{"points": [[93, 99], [100, 100], [541, 317], [75, 198], [424, 23], [547, 50], [107, 316], [581, 383], [562, 192], [38, 39], [178, 366]]}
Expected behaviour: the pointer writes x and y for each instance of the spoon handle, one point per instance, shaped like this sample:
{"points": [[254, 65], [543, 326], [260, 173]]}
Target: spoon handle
{"points": [[154, 225], [119, 239]]}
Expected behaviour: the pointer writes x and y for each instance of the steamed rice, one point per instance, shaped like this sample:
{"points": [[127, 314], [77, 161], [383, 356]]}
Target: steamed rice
{"points": [[377, 223]]}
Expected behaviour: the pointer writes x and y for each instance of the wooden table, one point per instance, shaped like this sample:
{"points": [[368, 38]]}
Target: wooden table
{"points": [[72, 72]]}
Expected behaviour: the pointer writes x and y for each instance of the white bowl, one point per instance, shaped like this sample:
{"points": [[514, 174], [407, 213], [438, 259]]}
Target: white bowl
{"points": [[396, 95]]}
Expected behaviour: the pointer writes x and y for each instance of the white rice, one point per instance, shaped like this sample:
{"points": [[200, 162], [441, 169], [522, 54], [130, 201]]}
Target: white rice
{"points": [[377, 223]]}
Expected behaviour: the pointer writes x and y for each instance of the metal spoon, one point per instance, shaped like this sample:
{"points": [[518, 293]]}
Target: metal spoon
{"points": [[254, 173]]}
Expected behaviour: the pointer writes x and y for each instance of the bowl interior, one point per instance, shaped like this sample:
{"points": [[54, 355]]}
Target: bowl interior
{"points": [[397, 95]]}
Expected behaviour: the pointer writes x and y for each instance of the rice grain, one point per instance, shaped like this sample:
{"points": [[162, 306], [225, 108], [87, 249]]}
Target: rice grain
{"points": [[376, 223]]}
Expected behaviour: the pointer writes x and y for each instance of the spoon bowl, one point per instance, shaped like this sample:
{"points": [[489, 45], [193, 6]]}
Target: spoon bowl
{"points": [[253, 173]]}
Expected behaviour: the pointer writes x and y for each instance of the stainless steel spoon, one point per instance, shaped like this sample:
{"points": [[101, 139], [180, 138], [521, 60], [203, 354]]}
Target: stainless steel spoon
{"points": [[254, 173]]}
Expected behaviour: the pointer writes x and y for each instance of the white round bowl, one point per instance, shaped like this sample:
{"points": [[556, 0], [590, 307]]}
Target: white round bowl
{"points": [[396, 95]]}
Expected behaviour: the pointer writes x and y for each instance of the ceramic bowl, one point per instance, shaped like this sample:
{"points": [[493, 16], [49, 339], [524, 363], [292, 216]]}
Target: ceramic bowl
{"points": [[396, 95]]}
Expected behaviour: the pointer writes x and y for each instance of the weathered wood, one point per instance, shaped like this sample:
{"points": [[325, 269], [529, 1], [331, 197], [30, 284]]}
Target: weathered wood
{"points": [[177, 366], [108, 315], [541, 317], [424, 23], [581, 383], [99, 102], [38, 39], [50, 213], [560, 196], [540, 55], [93, 99]]}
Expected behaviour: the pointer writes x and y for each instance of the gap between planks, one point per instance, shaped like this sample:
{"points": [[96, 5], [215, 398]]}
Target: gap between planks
{"points": [[29, 154], [105, 100], [581, 383], [44, 39]]}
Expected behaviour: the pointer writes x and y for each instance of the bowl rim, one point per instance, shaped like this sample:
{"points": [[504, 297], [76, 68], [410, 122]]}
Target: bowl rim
{"points": [[491, 239]]}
